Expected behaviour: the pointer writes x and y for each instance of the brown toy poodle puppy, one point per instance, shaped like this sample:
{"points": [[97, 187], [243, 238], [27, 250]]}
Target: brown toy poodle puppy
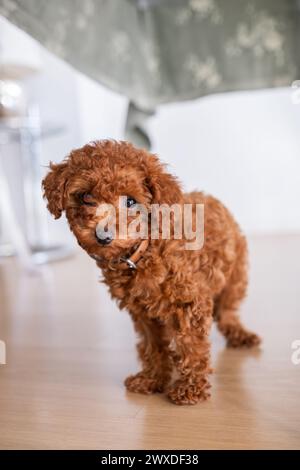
{"points": [[172, 294]]}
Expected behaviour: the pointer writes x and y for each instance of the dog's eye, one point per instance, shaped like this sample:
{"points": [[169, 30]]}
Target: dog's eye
{"points": [[130, 201], [87, 199]]}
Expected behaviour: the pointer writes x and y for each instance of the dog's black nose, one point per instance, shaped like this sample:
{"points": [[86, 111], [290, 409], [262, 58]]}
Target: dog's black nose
{"points": [[104, 238]]}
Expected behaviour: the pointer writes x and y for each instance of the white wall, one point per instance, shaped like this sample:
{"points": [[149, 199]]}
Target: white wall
{"points": [[241, 147], [102, 112]]}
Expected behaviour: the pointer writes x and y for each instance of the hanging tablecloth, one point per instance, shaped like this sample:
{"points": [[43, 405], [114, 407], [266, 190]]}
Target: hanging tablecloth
{"points": [[158, 51]]}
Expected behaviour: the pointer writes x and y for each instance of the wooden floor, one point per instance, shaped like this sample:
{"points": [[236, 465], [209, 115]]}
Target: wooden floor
{"points": [[69, 349]]}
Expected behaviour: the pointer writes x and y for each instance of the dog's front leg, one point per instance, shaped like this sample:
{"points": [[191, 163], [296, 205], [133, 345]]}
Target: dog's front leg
{"points": [[190, 349], [154, 356]]}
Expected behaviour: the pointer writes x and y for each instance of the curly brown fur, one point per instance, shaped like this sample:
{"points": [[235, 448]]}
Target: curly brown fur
{"points": [[175, 294]]}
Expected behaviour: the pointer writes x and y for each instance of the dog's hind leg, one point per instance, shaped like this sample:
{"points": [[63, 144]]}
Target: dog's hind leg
{"points": [[227, 305]]}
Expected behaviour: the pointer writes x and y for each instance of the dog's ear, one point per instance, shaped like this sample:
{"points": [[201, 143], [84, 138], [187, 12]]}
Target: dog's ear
{"points": [[164, 187], [54, 188]]}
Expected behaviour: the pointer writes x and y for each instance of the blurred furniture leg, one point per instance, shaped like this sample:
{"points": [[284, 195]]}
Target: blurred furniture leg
{"points": [[11, 224], [28, 133], [136, 130], [6, 248], [36, 216]]}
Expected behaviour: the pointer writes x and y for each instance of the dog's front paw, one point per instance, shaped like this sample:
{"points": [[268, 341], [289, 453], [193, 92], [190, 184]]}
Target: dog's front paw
{"points": [[183, 393], [141, 383]]}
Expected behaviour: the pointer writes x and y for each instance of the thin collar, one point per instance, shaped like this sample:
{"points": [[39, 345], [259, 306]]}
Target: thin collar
{"points": [[125, 263]]}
